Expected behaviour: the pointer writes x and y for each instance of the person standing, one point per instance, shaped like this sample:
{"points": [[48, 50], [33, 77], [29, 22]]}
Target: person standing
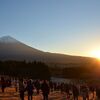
{"points": [[3, 84], [75, 92], [21, 89], [45, 90], [30, 89], [98, 92], [85, 92]]}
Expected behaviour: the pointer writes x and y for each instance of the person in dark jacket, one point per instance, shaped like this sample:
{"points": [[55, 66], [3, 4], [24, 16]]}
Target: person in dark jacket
{"points": [[21, 89], [3, 84], [85, 91], [98, 92], [37, 85], [45, 89], [75, 92], [30, 89]]}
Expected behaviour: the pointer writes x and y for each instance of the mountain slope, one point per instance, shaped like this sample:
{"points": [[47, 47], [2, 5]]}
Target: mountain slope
{"points": [[12, 49]]}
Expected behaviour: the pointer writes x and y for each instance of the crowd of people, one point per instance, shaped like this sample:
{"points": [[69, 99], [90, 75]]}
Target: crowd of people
{"points": [[72, 91]]}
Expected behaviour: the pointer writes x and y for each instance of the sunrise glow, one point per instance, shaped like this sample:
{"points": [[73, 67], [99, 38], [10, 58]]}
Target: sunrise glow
{"points": [[96, 54]]}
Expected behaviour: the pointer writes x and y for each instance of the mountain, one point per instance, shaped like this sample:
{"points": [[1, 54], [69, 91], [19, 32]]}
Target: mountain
{"points": [[12, 49], [8, 39]]}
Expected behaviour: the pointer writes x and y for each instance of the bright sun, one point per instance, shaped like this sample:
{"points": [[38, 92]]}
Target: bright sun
{"points": [[96, 54]]}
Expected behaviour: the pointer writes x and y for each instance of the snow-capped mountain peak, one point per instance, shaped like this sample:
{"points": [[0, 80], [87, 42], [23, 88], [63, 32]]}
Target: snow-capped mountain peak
{"points": [[8, 39]]}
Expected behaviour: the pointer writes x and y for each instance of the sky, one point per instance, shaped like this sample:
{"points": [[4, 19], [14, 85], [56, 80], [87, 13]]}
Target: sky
{"points": [[60, 26]]}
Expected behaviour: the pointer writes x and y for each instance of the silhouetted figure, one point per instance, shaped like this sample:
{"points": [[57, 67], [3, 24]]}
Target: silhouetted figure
{"points": [[3, 84], [85, 92], [62, 86], [45, 89], [30, 89], [92, 89], [51, 86], [75, 92], [37, 85], [55, 86], [98, 92], [21, 89], [16, 85], [67, 88], [8, 82]]}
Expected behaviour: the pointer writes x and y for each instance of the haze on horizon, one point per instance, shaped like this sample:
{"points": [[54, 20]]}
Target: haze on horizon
{"points": [[59, 26]]}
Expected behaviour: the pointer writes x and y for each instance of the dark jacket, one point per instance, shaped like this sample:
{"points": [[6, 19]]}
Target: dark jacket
{"points": [[45, 88]]}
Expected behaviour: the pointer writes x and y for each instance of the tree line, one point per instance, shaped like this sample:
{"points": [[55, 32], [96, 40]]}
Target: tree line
{"points": [[78, 71], [36, 70]]}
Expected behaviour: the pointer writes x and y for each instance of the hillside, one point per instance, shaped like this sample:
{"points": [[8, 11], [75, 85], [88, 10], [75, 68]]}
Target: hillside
{"points": [[12, 49]]}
